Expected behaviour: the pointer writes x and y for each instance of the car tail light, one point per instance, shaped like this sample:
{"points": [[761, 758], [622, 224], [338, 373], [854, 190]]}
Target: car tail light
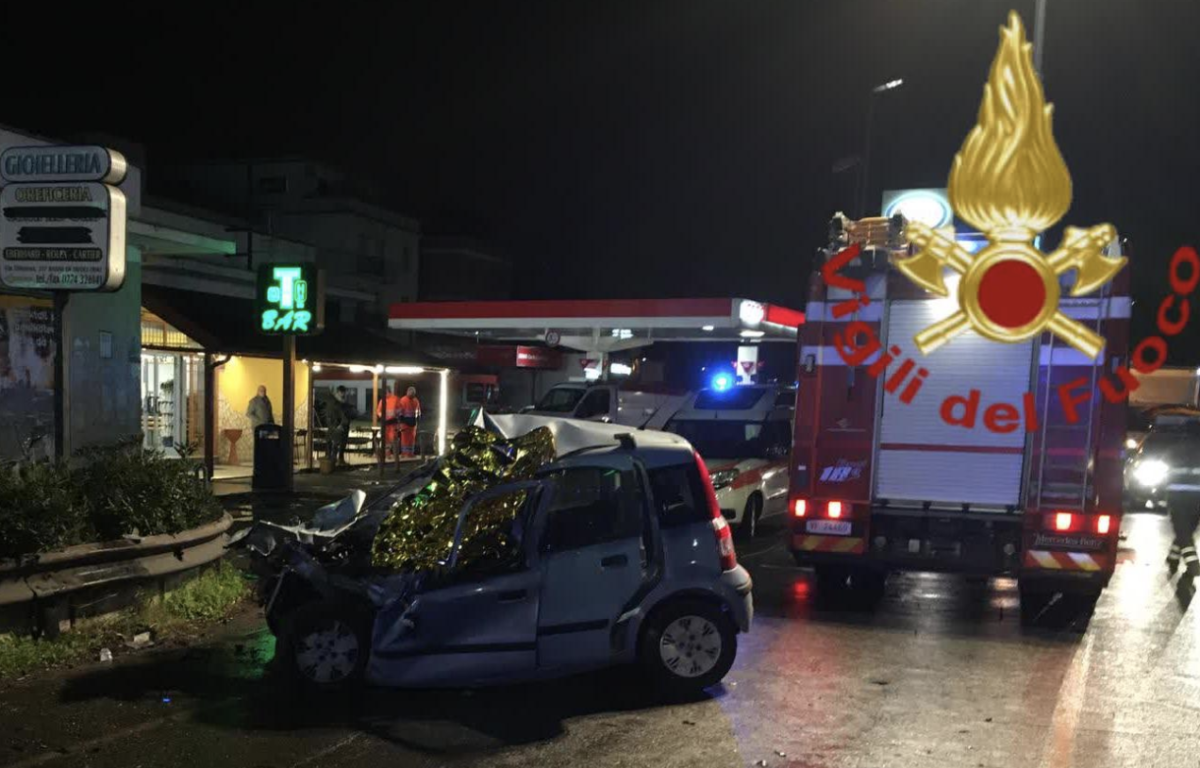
{"points": [[720, 525], [799, 507], [1063, 521], [1103, 524], [834, 510]]}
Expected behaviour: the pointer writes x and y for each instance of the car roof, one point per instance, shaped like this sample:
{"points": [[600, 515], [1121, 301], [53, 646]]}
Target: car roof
{"points": [[579, 438]]}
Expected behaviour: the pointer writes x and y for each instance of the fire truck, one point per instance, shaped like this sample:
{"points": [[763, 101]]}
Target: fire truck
{"points": [[1003, 459]]}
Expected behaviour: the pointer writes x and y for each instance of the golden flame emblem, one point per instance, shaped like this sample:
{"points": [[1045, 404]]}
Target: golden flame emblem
{"points": [[1010, 182]]}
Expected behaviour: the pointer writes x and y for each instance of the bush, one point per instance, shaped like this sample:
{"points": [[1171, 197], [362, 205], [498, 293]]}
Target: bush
{"points": [[129, 490], [110, 492], [40, 509]]}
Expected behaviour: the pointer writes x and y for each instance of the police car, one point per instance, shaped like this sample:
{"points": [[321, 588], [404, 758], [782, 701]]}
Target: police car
{"points": [[744, 433]]}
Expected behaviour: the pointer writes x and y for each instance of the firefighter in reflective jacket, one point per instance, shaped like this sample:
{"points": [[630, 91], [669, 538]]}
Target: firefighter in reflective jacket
{"points": [[388, 412], [1183, 501], [410, 413]]}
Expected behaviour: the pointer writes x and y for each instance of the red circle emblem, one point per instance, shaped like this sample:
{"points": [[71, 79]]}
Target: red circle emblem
{"points": [[1011, 294]]}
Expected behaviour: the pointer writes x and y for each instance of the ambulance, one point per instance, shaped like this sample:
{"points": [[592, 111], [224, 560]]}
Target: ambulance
{"points": [[744, 434], [980, 457]]}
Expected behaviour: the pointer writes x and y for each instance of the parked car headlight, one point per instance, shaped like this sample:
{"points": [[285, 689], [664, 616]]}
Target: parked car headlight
{"points": [[1150, 473], [724, 478]]}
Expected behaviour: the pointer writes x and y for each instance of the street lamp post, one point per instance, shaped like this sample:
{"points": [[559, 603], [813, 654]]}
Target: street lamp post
{"points": [[1039, 36], [890, 85]]}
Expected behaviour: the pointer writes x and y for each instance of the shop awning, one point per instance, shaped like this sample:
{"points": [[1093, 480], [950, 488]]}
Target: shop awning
{"points": [[224, 325]]}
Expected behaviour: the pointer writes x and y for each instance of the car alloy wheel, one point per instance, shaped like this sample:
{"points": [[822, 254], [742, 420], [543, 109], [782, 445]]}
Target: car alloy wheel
{"points": [[690, 646], [328, 655]]}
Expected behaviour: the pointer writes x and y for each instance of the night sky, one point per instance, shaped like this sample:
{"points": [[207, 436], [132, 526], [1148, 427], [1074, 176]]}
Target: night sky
{"points": [[634, 148]]}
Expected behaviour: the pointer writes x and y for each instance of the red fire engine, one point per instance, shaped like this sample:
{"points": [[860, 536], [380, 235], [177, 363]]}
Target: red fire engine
{"points": [[981, 457]]}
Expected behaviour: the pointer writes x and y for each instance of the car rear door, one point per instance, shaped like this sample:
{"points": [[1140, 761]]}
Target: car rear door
{"points": [[592, 555]]}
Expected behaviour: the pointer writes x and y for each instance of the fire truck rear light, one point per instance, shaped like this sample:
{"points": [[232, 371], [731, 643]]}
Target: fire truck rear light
{"points": [[835, 510], [1103, 524], [1062, 521], [799, 507]]}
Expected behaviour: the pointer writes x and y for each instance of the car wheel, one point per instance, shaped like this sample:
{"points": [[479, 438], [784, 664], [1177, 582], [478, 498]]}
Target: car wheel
{"points": [[688, 645], [748, 528], [325, 645]]}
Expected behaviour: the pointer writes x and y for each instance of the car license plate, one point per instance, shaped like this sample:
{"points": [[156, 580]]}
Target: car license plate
{"points": [[836, 527]]}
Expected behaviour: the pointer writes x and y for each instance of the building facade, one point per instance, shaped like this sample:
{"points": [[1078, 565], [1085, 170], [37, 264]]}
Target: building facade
{"points": [[360, 244]]}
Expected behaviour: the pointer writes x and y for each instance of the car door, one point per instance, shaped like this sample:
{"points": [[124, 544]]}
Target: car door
{"points": [[475, 623], [592, 552]]}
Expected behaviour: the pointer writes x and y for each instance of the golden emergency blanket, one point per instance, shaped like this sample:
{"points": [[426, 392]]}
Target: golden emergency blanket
{"points": [[419, 533]]}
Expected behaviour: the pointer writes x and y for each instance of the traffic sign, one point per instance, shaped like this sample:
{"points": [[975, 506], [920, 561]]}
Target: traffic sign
{"points": [[62, 236]]}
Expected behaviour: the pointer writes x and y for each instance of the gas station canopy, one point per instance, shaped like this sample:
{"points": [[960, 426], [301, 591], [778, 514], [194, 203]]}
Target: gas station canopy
{"points": [[605, 325]]}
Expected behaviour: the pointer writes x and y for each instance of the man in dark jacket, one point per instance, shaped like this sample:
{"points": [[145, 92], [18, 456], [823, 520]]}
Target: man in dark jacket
{"points": [[336, 419], [1183, 500]]}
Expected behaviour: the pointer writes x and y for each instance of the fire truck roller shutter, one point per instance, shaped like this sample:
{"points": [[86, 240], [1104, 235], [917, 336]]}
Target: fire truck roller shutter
{"points": [[921, 457]]}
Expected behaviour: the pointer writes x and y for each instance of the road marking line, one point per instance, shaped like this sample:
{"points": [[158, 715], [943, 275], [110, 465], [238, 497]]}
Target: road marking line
{"points": [[1059, 747]]}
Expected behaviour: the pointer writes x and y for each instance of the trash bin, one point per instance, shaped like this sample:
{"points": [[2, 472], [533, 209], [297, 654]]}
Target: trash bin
{"points": [[270, 469]]}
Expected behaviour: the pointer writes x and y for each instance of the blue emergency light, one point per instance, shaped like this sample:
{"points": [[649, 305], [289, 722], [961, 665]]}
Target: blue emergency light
{"points": [[722, 382]]}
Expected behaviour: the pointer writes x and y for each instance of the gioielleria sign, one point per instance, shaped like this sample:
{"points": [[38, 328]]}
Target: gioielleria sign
{"points": [[63, 223], [1010, 182]]}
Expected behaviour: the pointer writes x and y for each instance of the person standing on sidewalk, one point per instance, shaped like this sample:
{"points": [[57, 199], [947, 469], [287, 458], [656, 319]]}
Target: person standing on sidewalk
{"points": [[410, 414], [259, 410], [388, 413]]}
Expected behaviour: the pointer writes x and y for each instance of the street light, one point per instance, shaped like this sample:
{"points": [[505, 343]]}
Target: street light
{"points": [[890, 85]]}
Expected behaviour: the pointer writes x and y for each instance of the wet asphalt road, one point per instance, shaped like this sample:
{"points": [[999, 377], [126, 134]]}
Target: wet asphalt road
{"points": [[940, 673]]}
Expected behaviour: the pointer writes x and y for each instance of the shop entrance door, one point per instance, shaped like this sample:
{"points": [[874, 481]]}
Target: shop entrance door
{"points": [[164, 398]]}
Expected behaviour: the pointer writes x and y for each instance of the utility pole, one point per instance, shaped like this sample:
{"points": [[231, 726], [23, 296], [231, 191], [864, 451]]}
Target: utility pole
{"points": [[62, 404], [1039, 38], [864, 176], [289, 411]]}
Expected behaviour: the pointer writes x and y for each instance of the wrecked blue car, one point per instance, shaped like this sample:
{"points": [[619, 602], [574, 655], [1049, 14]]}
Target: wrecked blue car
{"points": [[619, 555]]}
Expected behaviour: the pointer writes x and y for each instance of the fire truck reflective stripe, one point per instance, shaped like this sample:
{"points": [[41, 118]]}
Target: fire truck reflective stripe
{"points": [[1064, 355], [828, 355], [823, 310], [1085, 562], [1064, 561], [841, 544], [1087, 309], [1090, 309], [1044, 559], [951, 448]]}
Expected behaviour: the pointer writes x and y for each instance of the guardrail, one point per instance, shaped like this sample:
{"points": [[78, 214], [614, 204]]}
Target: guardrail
{"points": [[50, 591]]}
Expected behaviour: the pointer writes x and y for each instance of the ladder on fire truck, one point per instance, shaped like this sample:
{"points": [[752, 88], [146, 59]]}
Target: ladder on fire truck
{"points": [[1065, 469]]}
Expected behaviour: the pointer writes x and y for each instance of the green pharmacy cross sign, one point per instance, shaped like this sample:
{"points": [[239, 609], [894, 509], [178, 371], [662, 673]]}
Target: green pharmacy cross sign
{"points": [[289, 300]]}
